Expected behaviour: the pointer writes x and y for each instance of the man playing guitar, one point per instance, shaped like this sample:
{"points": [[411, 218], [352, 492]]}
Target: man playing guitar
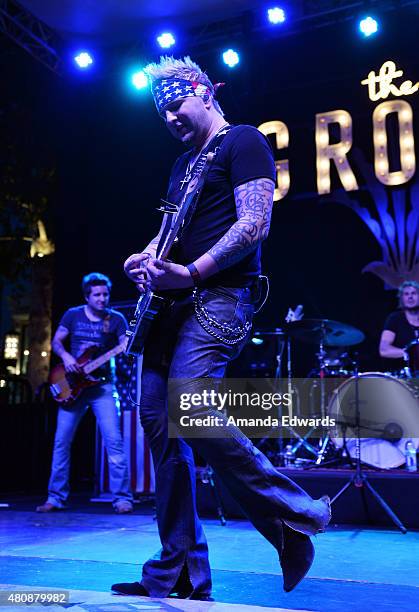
{"points": [[205, 325], [91, 326]]}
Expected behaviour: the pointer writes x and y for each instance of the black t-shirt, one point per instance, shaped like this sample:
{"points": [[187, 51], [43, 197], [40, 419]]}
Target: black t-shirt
{"points": [[245, 155], [397, 323]]}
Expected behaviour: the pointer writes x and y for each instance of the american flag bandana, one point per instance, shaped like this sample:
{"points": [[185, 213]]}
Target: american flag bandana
{"points": [[168, 90]]}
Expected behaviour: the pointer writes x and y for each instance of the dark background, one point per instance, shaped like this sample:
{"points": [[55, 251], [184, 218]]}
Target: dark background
{"points": [[113, 156]]}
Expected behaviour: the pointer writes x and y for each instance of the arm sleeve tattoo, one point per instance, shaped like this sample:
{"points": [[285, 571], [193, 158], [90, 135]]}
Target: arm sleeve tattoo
{"points": [[254, 207]]}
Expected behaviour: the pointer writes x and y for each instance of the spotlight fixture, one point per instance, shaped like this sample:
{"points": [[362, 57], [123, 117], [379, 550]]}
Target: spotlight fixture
{"points": [[368, 26], [276, 15], [83, 60], [231, 58], [139, 79], [166, 40]]}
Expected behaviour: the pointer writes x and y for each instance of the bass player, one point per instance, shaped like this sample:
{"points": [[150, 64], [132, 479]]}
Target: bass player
{"points": [[92, 325]]}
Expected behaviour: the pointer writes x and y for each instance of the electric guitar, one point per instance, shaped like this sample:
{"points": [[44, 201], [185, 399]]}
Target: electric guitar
{"points": [[150, 304], [66, 387]]}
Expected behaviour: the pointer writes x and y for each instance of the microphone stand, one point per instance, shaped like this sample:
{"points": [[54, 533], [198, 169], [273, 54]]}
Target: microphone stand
{"points": [[359, 479]]}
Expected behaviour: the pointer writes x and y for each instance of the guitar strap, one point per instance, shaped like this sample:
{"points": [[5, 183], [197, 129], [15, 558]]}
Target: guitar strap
{"points": [[106, 323], [212, 147], [106, 328]]}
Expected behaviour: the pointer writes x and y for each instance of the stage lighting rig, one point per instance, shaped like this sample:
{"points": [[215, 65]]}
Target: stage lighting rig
{"points": [[139, 79], [231, 58], [276, 15], [83, 60], [368, 26], [166, 40]]}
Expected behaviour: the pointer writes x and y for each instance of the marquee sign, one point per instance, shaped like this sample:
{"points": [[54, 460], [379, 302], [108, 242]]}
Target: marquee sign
{"points": [[391, 216], [382, 86], [379, 86]]}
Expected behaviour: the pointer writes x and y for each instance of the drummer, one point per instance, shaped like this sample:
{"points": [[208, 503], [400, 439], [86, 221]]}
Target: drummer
{"points": [[401, 326]]}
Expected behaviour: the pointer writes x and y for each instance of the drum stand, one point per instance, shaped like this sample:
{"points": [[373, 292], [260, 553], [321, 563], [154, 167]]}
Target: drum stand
{"points": [[279, 349], [324, 441], [359, 479], [319, 452], [301, 440]]}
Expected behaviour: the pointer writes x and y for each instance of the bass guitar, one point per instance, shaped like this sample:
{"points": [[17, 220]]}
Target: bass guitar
{"points": [[66, 387], [150, 303]]}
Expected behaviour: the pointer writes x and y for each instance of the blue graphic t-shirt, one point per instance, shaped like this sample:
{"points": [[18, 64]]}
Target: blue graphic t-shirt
{"points": [[84, 333]]}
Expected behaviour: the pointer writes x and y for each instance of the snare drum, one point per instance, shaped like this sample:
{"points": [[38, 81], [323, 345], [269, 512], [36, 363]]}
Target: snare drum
{"points": [[389, 414]]}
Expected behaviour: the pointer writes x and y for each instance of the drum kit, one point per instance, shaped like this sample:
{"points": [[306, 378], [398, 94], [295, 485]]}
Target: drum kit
{"points": [[393, 399]]}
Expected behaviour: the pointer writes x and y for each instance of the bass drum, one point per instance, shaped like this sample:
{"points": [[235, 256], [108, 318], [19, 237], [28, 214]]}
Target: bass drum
{"points": [[389, 415]]}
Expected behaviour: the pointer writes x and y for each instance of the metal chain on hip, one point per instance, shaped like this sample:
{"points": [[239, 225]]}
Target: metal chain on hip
{"points": [[238, 333]]}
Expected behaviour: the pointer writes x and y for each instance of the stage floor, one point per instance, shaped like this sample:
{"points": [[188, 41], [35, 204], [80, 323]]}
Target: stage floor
{"points": [[86, 551]]}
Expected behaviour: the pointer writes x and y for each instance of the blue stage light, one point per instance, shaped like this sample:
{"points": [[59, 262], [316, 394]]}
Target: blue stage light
{"points": [[166, 40], [257, 341], [83, 60], [139, 79], [276, 15], [231, 58], [368, 26]]}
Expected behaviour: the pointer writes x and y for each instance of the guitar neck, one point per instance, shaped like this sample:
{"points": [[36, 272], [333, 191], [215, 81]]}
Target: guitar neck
{"points": [[96, 363], [163, 250]]}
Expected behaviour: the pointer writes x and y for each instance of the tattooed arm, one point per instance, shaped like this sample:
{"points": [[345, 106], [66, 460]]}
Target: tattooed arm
{"points": [[254, 206]]}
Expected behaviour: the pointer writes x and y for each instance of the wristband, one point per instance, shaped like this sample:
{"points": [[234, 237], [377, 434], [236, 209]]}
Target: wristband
{"points": [[193, 271]]}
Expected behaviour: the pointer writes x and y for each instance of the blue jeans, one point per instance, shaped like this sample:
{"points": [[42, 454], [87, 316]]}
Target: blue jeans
{"points": [[179, 347], [102, 401]]}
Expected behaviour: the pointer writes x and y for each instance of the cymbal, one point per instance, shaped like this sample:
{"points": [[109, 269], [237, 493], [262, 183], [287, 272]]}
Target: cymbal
{"points": [[331, 333]]}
